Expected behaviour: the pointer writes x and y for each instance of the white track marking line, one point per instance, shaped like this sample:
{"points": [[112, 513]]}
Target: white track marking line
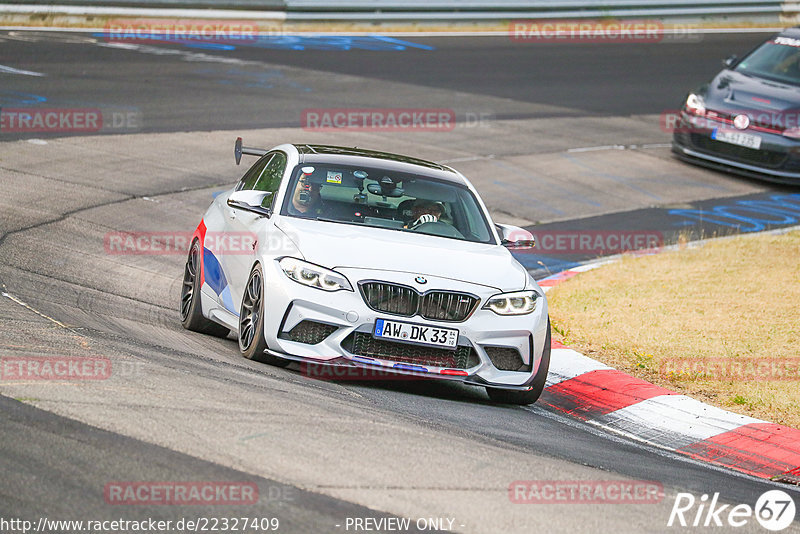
{"points": [[619, 147], [595, 148], [37, 312], [656, 145], [11, 70], [466, 158]]}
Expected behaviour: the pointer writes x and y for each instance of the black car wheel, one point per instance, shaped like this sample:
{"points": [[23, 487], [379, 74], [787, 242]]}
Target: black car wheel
{"points": [[251, 322], [191, 309]]}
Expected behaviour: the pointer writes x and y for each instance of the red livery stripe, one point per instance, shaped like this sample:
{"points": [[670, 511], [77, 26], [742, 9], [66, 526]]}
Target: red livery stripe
{"points": [[200, 234]]}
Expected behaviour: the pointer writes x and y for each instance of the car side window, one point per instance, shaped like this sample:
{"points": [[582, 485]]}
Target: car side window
{"points": [[265, 175], [270, 179], [252, 175]]}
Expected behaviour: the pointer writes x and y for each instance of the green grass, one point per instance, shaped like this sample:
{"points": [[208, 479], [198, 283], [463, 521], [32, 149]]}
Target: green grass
{"points": [[680, 318]]}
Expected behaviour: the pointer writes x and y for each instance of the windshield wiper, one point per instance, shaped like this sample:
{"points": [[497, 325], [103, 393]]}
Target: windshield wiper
{"points": [[328, 219]]}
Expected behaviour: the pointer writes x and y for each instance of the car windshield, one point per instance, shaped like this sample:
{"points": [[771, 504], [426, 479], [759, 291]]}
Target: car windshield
{"points": [[778, 59], [381, 198]]}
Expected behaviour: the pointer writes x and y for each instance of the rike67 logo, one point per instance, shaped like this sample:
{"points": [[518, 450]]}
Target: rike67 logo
{"points": [[774, 510]]}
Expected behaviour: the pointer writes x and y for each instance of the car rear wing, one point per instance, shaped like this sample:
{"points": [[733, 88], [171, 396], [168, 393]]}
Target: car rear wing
{"points": [[238, 150]]}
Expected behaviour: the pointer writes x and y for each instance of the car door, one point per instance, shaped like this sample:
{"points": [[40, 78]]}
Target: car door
{"points": [[247, 231]]}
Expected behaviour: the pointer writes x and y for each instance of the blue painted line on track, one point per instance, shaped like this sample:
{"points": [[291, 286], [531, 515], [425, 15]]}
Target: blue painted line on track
{"points": [[745, 215], [281, 42]]}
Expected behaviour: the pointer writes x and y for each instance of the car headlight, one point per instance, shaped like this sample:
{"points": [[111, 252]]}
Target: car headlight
{"points": [[695, 104], [517, 303], [312, 275]]}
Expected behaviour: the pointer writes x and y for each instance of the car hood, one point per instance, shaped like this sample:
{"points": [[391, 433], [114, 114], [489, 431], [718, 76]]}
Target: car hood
{"points": [[733, 92], [336, 245]]}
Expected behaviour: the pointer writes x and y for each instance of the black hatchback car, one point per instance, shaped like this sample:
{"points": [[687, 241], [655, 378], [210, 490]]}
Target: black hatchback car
{"points": [[747, 119]]}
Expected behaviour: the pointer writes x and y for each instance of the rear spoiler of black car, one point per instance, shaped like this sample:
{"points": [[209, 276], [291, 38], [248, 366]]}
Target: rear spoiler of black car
{"points": [[238, 150]]}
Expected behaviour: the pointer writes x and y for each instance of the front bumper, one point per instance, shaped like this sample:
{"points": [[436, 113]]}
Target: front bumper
{"points": [[344, 317], [777, 160]]}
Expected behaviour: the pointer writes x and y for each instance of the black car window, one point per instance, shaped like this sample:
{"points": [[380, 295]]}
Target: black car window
{"points": [[387, 199], [270, 179], [251, 176], [777, 59], [265, 175]]}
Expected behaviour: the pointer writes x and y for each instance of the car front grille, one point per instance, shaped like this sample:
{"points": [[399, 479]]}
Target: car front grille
{"points": [[309, 332], [390, 298], [767, 158], [406, 301], [363, 344]]}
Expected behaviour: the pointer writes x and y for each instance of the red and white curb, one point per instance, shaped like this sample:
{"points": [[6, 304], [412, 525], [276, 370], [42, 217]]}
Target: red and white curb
{"points": [[588, 390]]}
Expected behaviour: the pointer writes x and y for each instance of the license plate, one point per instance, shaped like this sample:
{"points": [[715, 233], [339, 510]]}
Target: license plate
{"points": [[416, 333], [737, 138]]}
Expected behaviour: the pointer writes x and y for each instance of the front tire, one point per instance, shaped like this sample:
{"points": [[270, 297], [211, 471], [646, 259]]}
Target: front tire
{"points": [[251, 322], [523, 398], [191, 308]]}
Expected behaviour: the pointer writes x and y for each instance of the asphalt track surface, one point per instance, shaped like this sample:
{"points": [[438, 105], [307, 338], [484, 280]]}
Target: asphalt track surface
{"points": [[182, 406], [270, 85]]}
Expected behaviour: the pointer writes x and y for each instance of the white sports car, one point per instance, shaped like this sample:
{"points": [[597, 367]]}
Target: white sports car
{"points": [[351, 257]]}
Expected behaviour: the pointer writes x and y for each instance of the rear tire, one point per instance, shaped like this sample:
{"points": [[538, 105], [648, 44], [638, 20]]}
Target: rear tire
{"points": [[251, 322], [191, 308], [510, 396]]}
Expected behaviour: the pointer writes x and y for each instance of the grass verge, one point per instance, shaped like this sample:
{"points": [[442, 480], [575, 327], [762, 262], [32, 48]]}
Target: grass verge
{"points": [[719, 322]]}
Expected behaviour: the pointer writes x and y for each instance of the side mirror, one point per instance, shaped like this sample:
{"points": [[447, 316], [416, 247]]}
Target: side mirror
{"points": [[386, 191], [515, 238], [730, 62], [250, 200]]}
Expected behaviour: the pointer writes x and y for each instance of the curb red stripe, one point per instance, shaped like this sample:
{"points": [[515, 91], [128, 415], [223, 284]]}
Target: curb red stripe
{"points": [[761, 449], [566, 364], [600, 392]]}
